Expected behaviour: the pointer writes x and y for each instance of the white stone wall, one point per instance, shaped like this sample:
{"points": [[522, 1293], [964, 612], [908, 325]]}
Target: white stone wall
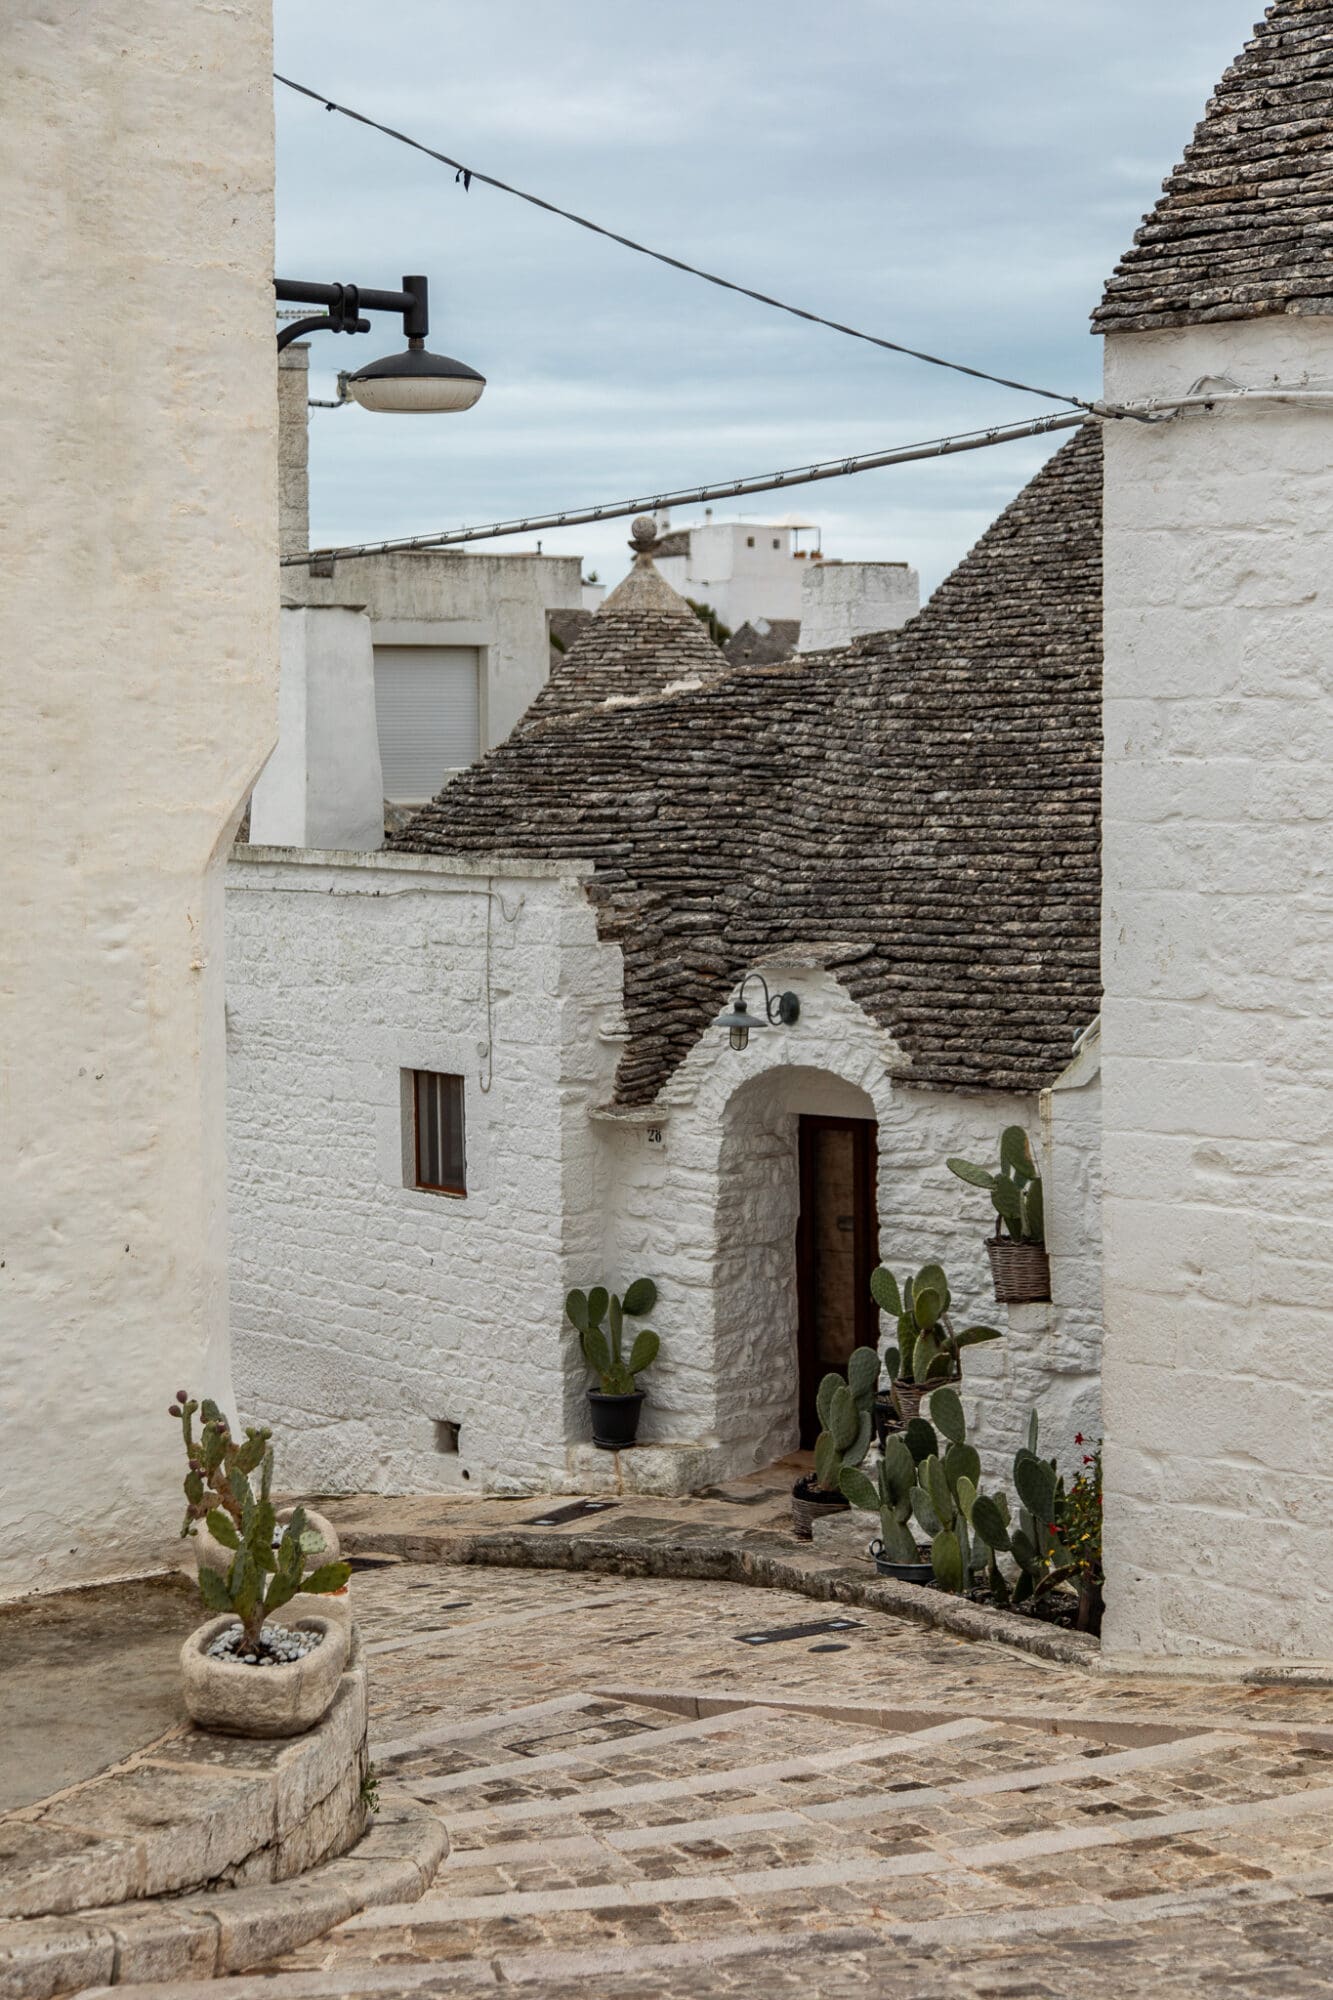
{"points": [[323, 785], [1218, 952], [365, 1312], [842, 600], [138, 496]]}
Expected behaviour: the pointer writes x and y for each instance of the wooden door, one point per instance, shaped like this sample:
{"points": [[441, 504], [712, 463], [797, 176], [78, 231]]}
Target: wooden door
{"points": [[837, 1248]]}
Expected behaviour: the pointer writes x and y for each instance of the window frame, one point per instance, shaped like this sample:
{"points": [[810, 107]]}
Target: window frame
{"points": [[454, 1191]]}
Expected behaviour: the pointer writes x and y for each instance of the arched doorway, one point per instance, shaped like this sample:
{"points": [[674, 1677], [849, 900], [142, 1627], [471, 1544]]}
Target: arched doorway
{"points": [[837, 1247]]}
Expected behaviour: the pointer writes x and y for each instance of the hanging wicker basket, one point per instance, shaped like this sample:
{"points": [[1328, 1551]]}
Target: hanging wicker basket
{"points": [[1022, 1271], [909, 1395]]}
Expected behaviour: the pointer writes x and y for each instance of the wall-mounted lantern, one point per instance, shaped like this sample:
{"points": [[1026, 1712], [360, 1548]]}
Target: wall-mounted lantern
{"points": [[784, 1008]]}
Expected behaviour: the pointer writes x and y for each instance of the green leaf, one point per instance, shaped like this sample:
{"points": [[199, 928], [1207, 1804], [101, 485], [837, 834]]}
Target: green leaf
{"points": [[222, 1529], [857, 1488], [942, 1369], [331, 1577], [598, 1301], [924, 1355], [644, 1351], [898, 1540], [863, 1371], [640, 1298], [827, 1462], [946, 1557], [920, 1439], [884, 1291], [312, 1543], [935, 1483], [974, 1176], [576, 1310], [965, 1492], [281, 1591], [214, 1591], [1022, 1550], [1032, 1431], [989, 1522], [946, 1413], [927, 1305], [844, 1418], [828, 1388], [961, 1461], [898, 1469], [617, 1320], [596, 1351], [973, 1336], [892, 1363], [1007, 1199], [246, 1584], [1016, 1154], [928, 1519], [860, 1444], [1035, 1480], [999, 1589], [931, 1278]]}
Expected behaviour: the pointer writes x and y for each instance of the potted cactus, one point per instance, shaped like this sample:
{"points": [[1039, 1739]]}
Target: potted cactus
{"points": [[243, 1673], [616, 1404], [1019, 1264], [928, 1353], [889, 1494], [847, 1415]]}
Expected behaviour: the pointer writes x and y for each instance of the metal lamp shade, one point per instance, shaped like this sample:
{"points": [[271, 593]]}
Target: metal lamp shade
{"points": [[416, 383], [740, 1023]]}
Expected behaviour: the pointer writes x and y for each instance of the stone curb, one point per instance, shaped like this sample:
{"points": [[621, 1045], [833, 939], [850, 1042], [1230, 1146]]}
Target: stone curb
{"points": [[723, 1562], [202, 1936]]}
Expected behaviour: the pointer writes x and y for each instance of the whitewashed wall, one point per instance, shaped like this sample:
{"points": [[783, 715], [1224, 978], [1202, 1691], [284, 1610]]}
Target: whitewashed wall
{"points": [[1218, 953], [364, 1311], [138, 493]]}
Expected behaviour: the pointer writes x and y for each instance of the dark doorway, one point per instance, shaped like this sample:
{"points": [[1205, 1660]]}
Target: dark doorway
{"points": [[837, 1248]]}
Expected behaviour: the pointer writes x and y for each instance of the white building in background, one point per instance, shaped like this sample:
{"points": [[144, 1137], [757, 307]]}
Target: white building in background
{"points": [[138, 489], [746, 570], [460, 642]]}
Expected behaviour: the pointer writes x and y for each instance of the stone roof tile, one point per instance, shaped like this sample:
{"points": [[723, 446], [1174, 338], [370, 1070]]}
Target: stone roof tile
{"points": [[929, 796], [1245, 223]]}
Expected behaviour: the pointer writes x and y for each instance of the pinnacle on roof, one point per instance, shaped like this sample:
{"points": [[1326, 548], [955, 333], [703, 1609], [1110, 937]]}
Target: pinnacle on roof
{"points": [[1245, 223], [642, 640]]}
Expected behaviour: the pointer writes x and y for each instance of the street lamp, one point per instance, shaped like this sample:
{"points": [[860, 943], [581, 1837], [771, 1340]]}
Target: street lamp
{"points": [[410, 383], [740, 1023]]}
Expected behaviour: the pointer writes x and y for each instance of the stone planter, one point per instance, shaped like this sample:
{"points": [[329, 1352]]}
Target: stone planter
{"points": [[210, 1554], [237, 1700], [615, 1419], [1021, 1271]]}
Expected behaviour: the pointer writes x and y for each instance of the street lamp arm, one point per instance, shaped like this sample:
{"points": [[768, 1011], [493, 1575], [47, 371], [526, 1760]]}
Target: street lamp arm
{"points": [[320, 323], [344, 302]]}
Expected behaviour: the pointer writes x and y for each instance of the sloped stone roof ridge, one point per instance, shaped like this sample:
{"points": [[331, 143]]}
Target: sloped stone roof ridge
{"points": [[764, 643], [930, 795], [1245, 223], [642, 638]]}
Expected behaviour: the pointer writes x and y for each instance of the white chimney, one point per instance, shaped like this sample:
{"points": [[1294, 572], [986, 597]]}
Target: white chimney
{"points": [[323, 786], [842, 600]]}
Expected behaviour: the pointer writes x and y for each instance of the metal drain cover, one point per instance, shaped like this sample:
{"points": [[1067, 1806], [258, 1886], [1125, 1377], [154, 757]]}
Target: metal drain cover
{"points": [[780, 1634]]}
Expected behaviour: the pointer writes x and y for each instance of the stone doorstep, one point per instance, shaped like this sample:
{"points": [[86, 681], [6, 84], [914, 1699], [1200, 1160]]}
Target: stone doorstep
{"points": [[184, 1813], [202, 1935]]}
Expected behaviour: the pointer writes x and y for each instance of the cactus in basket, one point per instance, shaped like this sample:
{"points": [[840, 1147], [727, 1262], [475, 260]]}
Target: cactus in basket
{"points": [[888, 1492], [928, 1351], [1015, 1190], [602, 1349], [267, 1570], [847, 1418]]}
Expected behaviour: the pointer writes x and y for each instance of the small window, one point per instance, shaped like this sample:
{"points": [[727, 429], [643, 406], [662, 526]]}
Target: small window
{"points": [[749, 541], [776, 542], [437, 1110]]}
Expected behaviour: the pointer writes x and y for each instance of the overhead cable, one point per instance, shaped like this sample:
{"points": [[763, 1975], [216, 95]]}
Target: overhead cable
{"points": [[469, 174], [651, 503]]}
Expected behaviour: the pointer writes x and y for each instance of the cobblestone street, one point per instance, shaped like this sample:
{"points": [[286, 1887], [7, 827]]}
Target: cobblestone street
{"points": [[641, 1799]]}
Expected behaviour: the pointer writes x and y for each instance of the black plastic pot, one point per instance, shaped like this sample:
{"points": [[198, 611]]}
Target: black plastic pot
{"points": [[615, 1419], [918, 1572]]}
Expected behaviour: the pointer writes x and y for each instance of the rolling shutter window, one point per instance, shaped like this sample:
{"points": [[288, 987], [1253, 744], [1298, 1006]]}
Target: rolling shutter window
{"points": [[427, 709]]}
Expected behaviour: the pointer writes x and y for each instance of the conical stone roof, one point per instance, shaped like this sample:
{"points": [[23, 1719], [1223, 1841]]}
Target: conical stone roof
{"points": [[1245, 223], [928, 800], [643, 640]]}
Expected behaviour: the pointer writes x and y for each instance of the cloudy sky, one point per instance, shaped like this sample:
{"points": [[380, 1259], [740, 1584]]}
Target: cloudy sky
{"points": [[960, 176]]}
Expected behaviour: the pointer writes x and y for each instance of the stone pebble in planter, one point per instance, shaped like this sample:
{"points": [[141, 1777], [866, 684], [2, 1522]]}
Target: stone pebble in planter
{"points": [[287, 1698]]}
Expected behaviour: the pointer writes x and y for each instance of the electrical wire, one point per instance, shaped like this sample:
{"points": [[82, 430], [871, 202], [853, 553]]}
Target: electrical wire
{"points": [[469, 174], [651, 503]]}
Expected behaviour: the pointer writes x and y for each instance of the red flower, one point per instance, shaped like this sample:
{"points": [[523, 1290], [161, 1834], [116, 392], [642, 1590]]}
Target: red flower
{"points": [[1078, 1439]]}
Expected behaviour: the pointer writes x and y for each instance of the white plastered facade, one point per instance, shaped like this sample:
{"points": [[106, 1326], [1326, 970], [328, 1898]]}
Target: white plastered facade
{"points": [[371, 1318], [1217, 956]]}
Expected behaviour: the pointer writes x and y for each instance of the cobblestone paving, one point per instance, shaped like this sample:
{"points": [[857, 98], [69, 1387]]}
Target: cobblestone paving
{"points": [[640, 1803]]}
